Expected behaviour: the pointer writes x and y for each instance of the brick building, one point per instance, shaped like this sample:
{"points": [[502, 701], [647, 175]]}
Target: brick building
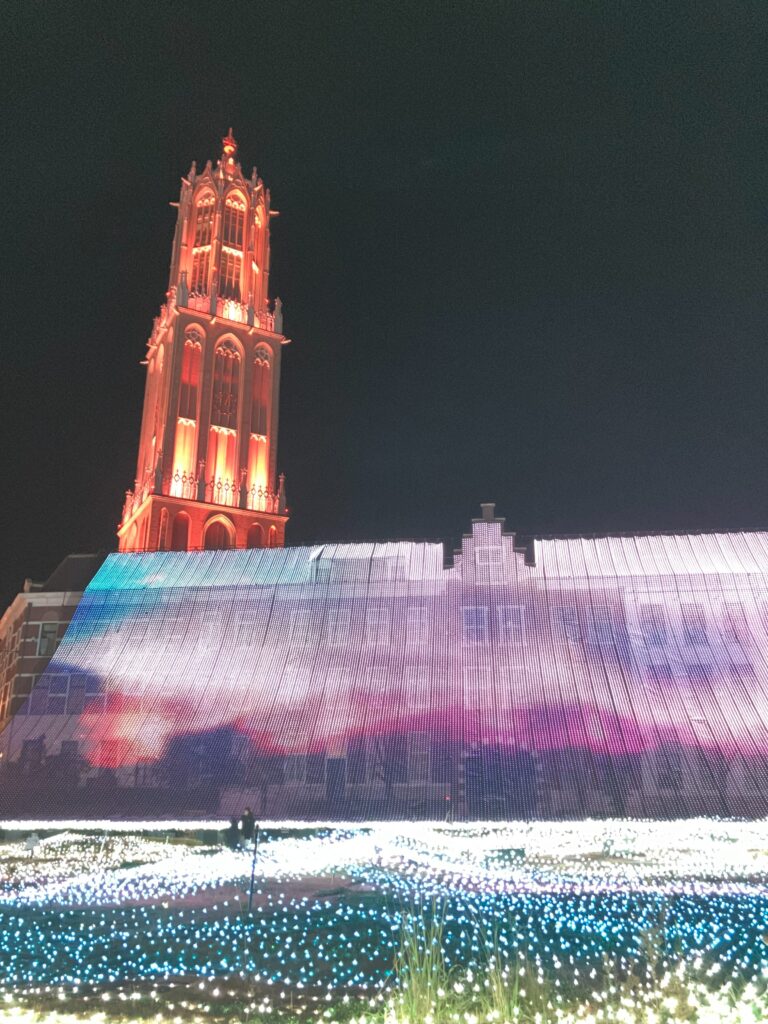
{"points": [[33, 625]]}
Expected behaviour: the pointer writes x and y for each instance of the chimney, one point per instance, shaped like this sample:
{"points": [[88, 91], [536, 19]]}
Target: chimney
{"points": [[488, 509]]}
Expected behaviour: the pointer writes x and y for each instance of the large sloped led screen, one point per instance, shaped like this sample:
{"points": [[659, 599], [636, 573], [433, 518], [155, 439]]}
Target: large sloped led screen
{"points": [[613, 676]]}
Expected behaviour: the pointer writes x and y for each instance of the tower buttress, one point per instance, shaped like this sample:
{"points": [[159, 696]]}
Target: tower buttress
{"points": [[206, 468]]}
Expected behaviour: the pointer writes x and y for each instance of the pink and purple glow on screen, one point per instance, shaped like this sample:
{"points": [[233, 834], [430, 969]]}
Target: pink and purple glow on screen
{"points": [[623, 675]]}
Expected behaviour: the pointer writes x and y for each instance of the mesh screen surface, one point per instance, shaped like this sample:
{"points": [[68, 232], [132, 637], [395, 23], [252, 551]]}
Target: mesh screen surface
{"points": [[615, 676]]}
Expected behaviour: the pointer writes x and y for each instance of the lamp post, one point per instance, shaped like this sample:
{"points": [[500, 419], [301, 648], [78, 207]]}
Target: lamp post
{"points": [[253, 866]]}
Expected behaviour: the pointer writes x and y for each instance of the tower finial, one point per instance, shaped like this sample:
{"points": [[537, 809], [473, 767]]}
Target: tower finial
{"points": [[229, 145]]}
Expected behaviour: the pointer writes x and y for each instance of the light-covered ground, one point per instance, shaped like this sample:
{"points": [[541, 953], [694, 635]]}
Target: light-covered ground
{"points": [[625, 920]]}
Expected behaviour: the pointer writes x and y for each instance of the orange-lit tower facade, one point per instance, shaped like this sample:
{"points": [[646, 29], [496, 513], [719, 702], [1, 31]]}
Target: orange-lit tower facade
{"points": [[206, 473]]}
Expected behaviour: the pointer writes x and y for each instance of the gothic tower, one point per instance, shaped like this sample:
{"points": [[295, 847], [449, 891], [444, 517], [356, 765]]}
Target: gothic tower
{"points": [[206, 471]]}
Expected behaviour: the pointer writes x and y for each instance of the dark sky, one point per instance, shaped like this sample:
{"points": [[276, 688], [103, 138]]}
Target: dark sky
{"points": [[522, 252]]}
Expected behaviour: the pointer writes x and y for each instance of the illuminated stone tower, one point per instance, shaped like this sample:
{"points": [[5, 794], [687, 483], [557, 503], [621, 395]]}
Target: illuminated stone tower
{"points": [[206, 471]]}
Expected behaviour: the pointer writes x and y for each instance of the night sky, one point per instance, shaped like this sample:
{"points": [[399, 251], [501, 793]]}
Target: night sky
{"points": [[521, 250]]}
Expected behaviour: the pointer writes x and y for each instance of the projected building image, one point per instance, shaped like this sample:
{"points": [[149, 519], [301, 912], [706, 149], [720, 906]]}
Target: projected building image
{"points": [[572, 677]]}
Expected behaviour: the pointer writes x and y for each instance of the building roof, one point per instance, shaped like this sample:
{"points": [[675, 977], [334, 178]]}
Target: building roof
{"points": [[74, 572], [549, 557], [665, 554]]}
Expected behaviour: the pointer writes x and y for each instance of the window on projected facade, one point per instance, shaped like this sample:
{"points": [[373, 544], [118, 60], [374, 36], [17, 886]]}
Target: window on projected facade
{"points": [[315, 773], [320, 570], [699, 673], [338, 625], [669, 773], [488, 555], [418, 693], [24, 685], [58, 687], [599, 627], [175, 628], [742, 673], [356, 761], [76, 695], [377, 690], [511, 619], [388, 568], [112, 752], [694, 625], [477, 688], [248, 633], [92, 687], [387, 758], [377, 625], [475, 625], [489, 562], [69, 752], [38, 702], [653, 624], [209, 636], [298, 631], [416, 624], [567, 620], [658, 679], [734, 627], [294, 768], [32, 752], [419, 746]]}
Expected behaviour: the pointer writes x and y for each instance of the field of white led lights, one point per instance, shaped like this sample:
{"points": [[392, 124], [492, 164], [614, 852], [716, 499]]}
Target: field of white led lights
{"points": [[587, 921]]}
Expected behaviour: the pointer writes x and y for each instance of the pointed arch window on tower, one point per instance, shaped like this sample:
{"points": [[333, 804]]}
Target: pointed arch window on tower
{"points": [[234, 222], [233, 229], [226, 381], [223, 485], [201, 249], [260, 393], [183, 484], [204, 221], [201, 264], [148, 439], [229, 278], [190, 374], [180, 532], [158, 412], [258, 453]]}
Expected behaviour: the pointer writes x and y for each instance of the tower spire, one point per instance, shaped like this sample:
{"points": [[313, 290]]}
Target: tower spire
{"points": [[227, 165], [229, 146]]}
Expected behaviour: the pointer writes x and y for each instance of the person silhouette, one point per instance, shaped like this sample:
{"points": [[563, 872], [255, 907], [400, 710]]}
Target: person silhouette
{"points": [[232, 834], [247, 824]]}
